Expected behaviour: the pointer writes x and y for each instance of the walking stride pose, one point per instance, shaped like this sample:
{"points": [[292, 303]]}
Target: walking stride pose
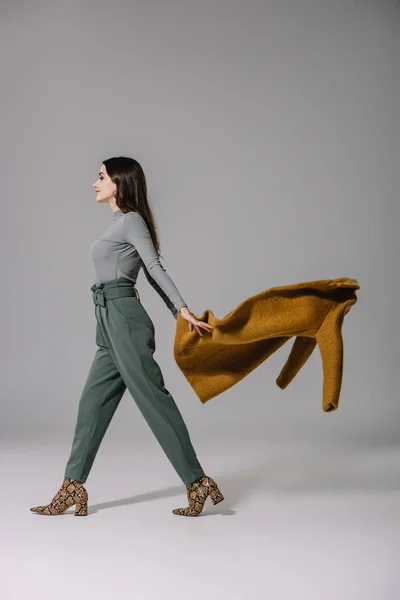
{"points": [[125, 339]]}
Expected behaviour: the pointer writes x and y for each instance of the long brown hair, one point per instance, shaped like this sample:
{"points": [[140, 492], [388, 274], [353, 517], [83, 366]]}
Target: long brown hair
{"points": [[131, 195]]}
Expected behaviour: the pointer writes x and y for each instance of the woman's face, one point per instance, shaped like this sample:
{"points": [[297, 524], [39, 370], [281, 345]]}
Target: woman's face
{"points": [[104, 186]]}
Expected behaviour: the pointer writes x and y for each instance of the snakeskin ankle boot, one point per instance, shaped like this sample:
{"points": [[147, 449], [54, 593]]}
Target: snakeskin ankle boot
{"points": [[71, 492], [197, 493]]}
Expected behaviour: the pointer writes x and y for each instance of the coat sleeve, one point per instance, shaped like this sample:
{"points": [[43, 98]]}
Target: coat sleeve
{"points": [[138, 235]]}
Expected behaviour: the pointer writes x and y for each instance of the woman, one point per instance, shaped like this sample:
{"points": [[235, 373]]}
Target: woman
{"points": [[125, 345]]}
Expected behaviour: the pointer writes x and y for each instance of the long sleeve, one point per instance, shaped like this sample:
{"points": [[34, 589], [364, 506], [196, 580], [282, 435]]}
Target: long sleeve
{"points": [[137, 233]]}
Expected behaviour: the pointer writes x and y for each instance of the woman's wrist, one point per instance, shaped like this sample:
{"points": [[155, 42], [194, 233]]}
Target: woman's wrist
{"points": [[182, 309]]}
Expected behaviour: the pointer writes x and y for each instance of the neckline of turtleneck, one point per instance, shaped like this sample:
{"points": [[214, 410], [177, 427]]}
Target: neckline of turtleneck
{"points": [[116, 213]]}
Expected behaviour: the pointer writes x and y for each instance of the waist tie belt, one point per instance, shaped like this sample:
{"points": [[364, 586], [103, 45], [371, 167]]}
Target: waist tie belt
{"points": [[101, 294]]}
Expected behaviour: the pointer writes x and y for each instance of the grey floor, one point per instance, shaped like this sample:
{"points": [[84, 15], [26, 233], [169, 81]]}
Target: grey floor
{"points": [[312, 523]]}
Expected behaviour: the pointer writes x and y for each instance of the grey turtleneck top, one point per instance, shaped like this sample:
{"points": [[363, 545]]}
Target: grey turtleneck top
{"points": [[124, 248]]}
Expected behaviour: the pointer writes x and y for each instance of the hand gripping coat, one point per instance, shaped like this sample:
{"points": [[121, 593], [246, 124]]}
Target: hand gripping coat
{"points": [[312, 313]]}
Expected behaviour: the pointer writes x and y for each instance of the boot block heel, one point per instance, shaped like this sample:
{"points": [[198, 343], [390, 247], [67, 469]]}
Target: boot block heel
{"points": [[81, 509], [81, 504], [216, 496]]}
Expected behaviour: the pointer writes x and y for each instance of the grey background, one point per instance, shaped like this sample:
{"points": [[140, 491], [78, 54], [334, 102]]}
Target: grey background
{"points": [[268, 132], [269, 135]]}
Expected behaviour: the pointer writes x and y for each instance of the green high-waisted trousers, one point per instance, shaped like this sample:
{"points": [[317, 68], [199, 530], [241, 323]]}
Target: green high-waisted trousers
{"points": [[124, 359]]}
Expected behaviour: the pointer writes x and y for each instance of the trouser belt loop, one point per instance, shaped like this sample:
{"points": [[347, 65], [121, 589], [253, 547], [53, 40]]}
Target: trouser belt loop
{"points": [[98, 297], [101, 294]]}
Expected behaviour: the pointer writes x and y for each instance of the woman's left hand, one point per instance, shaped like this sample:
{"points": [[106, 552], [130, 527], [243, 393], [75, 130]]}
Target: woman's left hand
{"points": [[187, 315]]}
